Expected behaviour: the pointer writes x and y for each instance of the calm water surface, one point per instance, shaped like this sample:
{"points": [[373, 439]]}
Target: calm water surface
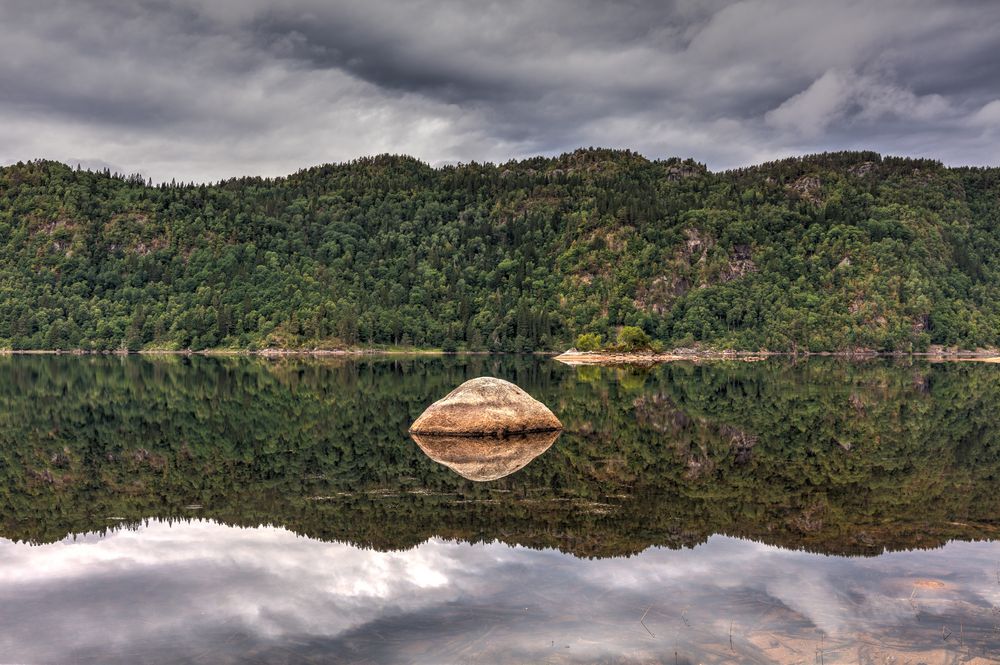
{"points": [[175, 510]]}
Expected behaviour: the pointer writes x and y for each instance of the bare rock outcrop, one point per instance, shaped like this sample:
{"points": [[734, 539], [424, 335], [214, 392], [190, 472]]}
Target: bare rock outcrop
{"points": [[486, 407]]}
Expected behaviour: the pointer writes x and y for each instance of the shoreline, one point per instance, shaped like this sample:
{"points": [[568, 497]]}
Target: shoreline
{"points": [[579, 358], [263, 353], [571, 357]]}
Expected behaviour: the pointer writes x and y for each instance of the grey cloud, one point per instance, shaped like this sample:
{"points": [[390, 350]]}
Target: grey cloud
{"points": [[192, 89]]}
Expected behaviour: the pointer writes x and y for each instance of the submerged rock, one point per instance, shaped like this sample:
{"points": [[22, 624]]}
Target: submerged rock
{"points": [[482, 458], [486, 407]]}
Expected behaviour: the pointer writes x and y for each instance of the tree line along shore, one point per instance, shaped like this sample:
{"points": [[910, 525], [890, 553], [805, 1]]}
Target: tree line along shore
{"points": [[568, 357], [836, 252]]}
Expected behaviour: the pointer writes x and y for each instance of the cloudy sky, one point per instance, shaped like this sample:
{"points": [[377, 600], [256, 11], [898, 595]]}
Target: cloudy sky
{"points": [[202, 592], [206, 89]]}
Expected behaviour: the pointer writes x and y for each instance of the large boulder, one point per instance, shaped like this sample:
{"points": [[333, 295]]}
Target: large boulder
{"points": [[483, 458], [486, 407]]}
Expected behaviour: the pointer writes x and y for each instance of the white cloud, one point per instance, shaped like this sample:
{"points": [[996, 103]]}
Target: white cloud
{"points": [[845, 96], [811, 111], [987, 116]]}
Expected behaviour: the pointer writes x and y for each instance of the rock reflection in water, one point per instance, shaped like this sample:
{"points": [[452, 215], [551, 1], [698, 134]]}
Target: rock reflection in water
{"points": [[487, 458]]}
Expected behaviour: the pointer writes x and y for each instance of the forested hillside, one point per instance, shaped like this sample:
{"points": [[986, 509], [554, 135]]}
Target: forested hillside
{"points": [[828, 252]]}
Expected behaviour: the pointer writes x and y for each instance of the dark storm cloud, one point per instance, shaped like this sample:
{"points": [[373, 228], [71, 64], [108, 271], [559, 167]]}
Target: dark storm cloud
{"points": [[496, 53], [199, 89]]}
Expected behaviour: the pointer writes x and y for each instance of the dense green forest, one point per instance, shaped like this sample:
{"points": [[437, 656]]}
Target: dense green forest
{"points": [[827, 252], [823, 455]]}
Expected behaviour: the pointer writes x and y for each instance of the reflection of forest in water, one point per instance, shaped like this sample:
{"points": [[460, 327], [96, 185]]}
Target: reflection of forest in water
{"points": [[825, 455]]}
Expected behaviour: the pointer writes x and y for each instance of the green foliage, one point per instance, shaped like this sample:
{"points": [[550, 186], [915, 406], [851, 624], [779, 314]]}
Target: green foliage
{"points": [[824, 455], [631, 338], [827, 252], [588, 342]]}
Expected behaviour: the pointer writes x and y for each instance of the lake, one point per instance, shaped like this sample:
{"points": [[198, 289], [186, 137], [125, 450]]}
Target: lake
{"points": [[232, 510]]}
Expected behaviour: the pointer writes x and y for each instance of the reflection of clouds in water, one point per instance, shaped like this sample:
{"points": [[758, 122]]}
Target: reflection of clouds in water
{"points": [[810, 594], [182, 580], [190, 587], [730, 564]]}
